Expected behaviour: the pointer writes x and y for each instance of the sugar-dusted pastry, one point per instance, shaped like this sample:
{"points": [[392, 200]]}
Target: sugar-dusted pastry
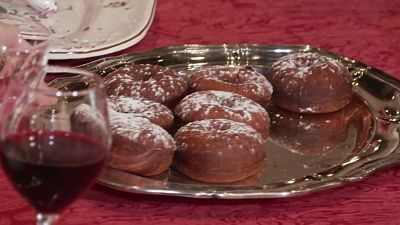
{"points": [[239, 80], [310, 83], [151, 82], [219, 151], [223, 105]]}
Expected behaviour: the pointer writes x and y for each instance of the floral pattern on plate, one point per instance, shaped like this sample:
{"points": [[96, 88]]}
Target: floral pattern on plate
{"points": [[88, 28]]}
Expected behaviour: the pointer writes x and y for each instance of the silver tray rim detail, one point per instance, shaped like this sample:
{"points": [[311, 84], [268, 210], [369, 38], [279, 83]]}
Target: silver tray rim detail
{"points": [[353, 170]]}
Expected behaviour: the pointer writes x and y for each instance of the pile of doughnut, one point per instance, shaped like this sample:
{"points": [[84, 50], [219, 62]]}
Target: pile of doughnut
{"points": [[212, 125]]}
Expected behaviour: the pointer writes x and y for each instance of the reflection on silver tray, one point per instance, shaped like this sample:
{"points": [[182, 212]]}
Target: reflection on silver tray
{"points": [[300, 159]]}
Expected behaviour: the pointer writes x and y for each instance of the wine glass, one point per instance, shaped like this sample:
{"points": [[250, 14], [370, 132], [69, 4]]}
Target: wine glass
{"points": [[56, 141], [29, 29], [27, 57]]}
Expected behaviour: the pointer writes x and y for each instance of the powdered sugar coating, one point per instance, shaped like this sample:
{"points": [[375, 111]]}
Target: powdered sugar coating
{"points": [[85, 115], [239, 80], [223, 105], [139, 146], [304, 64], [153, 111], [310, 83], [85, 119], [140, 130], [221, 127], [230, 103], [219, 151], [152, 82]]}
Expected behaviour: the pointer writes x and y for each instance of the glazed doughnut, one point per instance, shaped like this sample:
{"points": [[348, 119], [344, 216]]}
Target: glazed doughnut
{"points": [[151, 82], [153, 111], [239, 80], [139, 146], [219, 151], [223, 105], [310, 83]]}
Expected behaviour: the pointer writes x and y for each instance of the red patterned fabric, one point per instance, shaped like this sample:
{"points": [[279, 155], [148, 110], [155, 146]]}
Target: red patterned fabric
{"points": [[367, 30]]}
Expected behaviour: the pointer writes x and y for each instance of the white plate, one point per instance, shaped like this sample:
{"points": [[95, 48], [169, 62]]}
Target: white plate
{"points": [[88, 28]]}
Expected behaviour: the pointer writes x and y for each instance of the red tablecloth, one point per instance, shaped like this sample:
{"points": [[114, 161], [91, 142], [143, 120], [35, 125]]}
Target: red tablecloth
{"points": [[367, 30]]}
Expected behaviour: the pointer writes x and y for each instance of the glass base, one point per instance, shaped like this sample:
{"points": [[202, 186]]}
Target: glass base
{"points": [[46, 219]]}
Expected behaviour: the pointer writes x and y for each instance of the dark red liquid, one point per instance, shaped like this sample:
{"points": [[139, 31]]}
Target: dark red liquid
{"points": [[51, 169]]}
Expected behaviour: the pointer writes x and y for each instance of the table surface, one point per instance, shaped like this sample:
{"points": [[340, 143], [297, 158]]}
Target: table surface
{"points": [[367, 30]]}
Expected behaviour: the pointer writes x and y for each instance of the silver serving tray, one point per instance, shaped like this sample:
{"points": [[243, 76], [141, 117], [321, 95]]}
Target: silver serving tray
{"points": [[368, 142]]}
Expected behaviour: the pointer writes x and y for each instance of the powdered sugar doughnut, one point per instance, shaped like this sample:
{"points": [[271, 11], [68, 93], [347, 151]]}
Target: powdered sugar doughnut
{"points": [[239, 80], [219, 151], [223, 105], [151, 82], [310, 83], [139, 146], [153, 111], [84, 119]]}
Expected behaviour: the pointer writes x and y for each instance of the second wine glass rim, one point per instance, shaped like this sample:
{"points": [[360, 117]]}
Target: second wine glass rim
{"points": [[53, 91], [43, 35]]}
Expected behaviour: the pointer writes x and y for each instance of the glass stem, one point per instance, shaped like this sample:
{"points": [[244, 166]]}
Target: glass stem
{"points": [[46, 219]]}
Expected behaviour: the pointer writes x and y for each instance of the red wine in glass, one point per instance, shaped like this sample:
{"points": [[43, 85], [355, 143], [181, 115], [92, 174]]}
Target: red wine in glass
{"points": [[51, 168]]}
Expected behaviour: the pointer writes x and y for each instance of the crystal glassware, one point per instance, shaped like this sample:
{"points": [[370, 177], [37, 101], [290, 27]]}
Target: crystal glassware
{"points": [[23, 58], [56, 140]]}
